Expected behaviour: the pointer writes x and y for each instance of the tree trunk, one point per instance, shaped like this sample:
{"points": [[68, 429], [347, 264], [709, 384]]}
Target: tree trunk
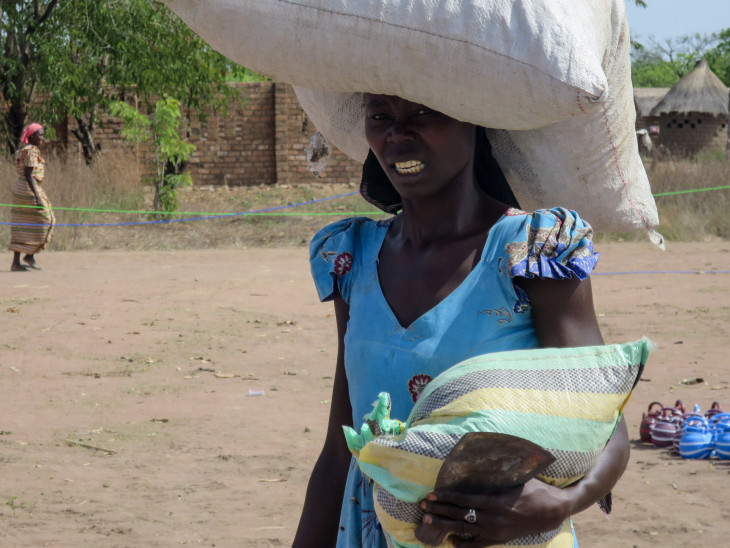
{"points": [[169, 168], [14, 120], [85, 135], [17, 97]]}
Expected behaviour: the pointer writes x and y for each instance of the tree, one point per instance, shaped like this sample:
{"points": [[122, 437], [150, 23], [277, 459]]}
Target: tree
{"points": [[83, 54], [171, 151], [650, 70], [664, 62], [719, 57], [23, 27], [113, 48]]}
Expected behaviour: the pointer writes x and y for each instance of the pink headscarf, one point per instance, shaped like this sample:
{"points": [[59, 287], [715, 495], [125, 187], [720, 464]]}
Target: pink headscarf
{"points": [[28, 132]]}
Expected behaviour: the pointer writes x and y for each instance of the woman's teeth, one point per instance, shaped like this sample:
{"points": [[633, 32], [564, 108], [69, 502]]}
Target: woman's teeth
{"points": [[411, 167]]}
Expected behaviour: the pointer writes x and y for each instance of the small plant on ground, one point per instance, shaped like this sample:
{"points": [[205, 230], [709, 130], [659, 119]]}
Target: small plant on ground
{"points": [[12, 504]]}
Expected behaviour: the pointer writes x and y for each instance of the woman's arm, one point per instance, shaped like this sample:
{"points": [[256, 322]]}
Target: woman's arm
{"points": [[320, 518], [563, 315], [31, 183], [562, 312]]}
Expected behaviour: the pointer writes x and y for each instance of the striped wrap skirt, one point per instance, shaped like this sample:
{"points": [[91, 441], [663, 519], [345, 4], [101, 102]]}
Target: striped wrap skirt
{"points": [[31, 227]]}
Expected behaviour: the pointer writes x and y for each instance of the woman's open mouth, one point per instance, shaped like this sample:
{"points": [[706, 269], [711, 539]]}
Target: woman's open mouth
{"points": [[409, 167]]}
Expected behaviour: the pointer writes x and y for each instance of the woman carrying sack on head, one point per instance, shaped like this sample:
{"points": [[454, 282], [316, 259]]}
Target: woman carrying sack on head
{"points": [[459, 272], [32, 219]]}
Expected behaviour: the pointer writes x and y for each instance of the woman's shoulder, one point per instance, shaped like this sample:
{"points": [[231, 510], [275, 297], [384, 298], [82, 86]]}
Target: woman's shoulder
{"points": [[337, 251], [353, 229], [518, 224], [553, 243], [29, 151]]}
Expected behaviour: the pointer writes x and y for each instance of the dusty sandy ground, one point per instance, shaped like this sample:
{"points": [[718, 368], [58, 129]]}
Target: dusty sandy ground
{"points": [[130, 416]]}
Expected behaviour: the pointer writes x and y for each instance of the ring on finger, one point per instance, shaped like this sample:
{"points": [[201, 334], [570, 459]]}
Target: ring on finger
{"points": [[471, 516]]}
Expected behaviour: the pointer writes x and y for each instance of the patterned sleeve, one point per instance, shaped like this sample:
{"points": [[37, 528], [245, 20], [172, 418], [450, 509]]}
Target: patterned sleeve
{"points": [[331, 258], [32, 157], [552, 243]]}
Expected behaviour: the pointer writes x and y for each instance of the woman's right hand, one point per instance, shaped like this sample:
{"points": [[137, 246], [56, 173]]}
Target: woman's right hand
{"points": [[534, 507]]}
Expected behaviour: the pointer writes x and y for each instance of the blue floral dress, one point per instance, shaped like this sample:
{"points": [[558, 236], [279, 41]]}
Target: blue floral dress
{"points": [[486, 313]]}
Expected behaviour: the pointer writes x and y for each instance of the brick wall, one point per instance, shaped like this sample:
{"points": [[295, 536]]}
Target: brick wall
{"points": [[692, 132], [262, 139], [237, 148], [294, 131]]}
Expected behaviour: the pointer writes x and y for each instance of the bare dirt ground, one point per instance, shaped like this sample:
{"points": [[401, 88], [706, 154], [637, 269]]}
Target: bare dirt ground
{"points": [[164, 398]]}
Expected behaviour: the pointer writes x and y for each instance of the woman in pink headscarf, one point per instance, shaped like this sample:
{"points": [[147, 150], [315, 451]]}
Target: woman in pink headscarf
{"points": [[31, 217]]}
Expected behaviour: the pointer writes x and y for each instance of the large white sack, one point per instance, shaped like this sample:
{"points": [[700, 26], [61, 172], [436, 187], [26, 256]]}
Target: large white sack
{"points": [[513, 64], [550, 77]]}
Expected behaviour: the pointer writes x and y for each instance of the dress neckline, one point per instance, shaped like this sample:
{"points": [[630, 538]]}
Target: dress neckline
{"points": [[458, 289]]}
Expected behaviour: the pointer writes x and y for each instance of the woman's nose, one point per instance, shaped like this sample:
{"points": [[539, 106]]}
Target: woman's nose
{"points": [[400, 132]]}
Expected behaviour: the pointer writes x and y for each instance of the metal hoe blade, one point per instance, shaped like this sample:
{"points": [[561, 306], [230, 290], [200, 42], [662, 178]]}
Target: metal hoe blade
{"points": [[487, 462]]}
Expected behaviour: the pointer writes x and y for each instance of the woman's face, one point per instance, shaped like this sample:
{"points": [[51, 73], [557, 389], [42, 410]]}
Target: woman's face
{"points": [[421, 150], [38, 138]]}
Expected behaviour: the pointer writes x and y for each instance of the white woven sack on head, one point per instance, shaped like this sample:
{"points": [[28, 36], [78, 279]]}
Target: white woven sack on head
{"points": [[513, 64], [588, 163]]}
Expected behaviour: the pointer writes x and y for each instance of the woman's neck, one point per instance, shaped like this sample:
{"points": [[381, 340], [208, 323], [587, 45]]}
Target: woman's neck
{"points": [[453, 215]]}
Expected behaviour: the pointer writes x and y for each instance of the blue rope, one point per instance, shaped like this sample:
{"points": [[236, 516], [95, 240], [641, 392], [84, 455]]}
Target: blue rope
{"points": [[204, 218], [661, 272]]}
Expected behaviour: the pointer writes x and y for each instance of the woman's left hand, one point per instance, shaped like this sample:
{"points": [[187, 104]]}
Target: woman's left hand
{"points": [[535, 507]]}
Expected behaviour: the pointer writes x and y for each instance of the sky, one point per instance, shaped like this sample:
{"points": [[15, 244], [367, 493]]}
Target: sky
{"points": [[673, 18]]}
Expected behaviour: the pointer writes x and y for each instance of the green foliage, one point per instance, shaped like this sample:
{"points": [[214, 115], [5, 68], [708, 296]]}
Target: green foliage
{"points": [[719, 57], [137, 127], [648, 73], [171, 151], [126, 47], [242, 74], [12, 504], [663, 64], [84, 54]]}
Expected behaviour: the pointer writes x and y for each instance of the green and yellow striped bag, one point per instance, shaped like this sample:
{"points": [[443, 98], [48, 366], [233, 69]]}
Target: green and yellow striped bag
{"points": [[566, 400]]}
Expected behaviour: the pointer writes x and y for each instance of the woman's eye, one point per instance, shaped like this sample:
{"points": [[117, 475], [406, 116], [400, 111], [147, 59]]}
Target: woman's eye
{"points": [[378, 117]]}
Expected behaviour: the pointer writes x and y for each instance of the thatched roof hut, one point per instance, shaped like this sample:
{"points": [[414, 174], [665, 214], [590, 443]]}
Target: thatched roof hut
{"points": [[700, 90], [645, 99], [693, 115]]}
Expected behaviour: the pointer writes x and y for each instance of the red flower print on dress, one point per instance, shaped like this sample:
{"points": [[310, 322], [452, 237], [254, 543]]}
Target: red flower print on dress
{"points": [[343, 264], [417, 384]]}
